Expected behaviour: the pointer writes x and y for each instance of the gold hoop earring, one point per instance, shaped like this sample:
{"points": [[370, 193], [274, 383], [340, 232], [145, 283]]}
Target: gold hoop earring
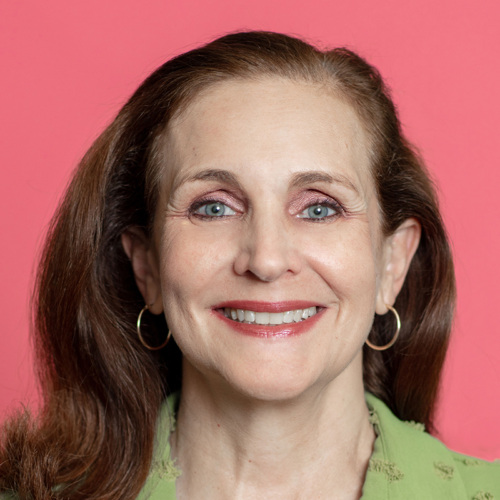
{"points": [[139, 334], [396, 335]]}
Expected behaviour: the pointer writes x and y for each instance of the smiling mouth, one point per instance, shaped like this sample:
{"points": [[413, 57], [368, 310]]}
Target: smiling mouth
{"points": [[269, 318]]}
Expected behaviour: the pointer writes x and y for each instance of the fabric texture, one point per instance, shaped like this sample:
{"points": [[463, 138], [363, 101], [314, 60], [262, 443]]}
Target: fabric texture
{"points": [[406, 464]]}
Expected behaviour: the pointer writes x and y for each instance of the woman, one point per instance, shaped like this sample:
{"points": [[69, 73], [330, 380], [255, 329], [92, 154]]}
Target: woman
{"points": [[258, 196]]}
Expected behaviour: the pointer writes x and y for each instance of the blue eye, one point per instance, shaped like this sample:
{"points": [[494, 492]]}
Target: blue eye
{"points": [[319, 211], [214, 209]]}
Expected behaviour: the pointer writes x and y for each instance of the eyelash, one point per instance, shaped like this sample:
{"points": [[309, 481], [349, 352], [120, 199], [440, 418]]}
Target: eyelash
{"points": [[323, 202], [201, 203]]}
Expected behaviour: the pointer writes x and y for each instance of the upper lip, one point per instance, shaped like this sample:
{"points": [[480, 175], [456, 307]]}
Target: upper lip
{"points": [[271, 307]]}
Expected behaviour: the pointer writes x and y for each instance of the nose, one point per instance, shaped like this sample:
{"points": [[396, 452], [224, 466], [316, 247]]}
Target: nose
{"points": [[268, 250]]}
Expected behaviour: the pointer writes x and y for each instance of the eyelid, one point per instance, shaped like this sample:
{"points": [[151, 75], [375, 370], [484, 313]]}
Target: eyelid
{"points": [[312, 197], [302, 201], [222, 197]]}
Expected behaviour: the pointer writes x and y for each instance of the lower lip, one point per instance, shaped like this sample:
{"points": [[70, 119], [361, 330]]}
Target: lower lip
{"points": [[271, 331]]}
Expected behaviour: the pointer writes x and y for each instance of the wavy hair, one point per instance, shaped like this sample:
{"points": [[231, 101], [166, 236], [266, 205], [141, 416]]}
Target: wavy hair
{"points": [[101, 389]]}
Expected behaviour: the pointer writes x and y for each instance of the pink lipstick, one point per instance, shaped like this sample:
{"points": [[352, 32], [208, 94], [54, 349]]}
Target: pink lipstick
{"points": [[269, 319]]}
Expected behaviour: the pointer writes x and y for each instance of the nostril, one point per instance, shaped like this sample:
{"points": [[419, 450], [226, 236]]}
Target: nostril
{"points": [[267, 253]]}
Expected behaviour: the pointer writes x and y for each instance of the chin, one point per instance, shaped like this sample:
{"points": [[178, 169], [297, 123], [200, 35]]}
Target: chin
{"points": [[278, 375], [281, 388]]}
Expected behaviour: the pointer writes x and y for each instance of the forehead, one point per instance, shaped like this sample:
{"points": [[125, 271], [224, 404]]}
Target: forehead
{"points": [[284, 125]]}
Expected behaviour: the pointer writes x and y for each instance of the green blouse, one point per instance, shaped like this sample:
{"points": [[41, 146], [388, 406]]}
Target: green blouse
{"points": [[407, 463]]}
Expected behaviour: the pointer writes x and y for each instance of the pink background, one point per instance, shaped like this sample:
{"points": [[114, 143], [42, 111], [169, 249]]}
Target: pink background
{"points": [[67, 67]]}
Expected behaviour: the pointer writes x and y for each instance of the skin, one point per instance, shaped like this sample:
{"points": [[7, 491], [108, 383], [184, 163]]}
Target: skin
{"points": [[270, 417]]}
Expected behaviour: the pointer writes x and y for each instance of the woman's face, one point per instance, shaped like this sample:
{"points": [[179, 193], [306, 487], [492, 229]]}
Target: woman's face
{"points": [[271, 261]]}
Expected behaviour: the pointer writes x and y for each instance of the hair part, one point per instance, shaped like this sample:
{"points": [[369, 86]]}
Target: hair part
{"points": [[94, 437]]}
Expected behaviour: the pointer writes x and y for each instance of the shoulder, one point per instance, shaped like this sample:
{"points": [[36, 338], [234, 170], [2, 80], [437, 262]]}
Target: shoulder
{"points": [[409, 463], [160, 484], [480, 478]]}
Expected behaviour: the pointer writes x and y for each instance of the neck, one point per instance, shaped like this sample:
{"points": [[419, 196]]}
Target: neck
{"points": [[242, 447]]}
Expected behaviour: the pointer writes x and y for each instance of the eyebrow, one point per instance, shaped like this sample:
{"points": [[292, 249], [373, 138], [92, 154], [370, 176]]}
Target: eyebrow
{"points": [[302, 179], [213, 175]]}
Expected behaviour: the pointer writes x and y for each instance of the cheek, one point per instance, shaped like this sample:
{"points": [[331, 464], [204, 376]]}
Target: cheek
{"points": [[345, 258], [192, 259]]}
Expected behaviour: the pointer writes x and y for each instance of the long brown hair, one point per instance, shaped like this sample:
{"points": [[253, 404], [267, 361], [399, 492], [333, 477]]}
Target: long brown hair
{"points": [[102, 390]]}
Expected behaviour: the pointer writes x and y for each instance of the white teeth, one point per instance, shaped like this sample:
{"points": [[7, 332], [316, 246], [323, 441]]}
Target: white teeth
{"points": [[249, 316], [288, 316], [276, 318], [265, 318], [262, 318]]}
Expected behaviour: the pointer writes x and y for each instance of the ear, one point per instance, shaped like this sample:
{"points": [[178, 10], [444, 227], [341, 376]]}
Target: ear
{"points": [[145, 265], [399, 249]]}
